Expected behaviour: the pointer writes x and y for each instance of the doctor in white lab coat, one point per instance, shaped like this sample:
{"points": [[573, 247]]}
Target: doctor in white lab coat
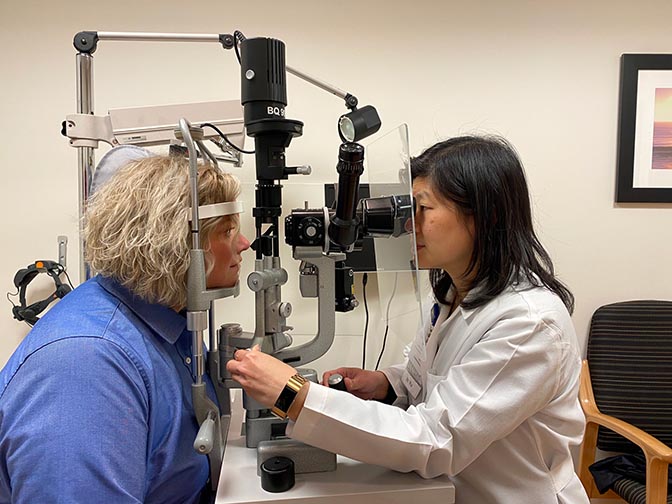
{"points": [[488, 392]]}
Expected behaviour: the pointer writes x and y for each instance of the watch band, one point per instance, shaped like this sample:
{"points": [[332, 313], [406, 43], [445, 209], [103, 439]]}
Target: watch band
{"points": [[287, 396]]}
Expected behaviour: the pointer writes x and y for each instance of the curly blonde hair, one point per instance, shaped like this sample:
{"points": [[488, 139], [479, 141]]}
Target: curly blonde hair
{"points": [[137, 231]]}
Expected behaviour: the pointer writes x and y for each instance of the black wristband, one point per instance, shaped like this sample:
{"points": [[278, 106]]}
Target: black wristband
{"points": [[391, 395]]}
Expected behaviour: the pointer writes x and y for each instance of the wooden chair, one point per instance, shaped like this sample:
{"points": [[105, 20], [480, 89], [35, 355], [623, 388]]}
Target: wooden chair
{"points": [[626, 395]]}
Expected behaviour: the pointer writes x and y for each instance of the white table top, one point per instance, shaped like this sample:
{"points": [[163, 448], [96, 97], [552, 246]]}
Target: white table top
{"points": [[352, 482]]}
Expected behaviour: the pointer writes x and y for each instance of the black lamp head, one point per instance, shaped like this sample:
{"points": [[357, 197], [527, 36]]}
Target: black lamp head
{"points": [[358, 124]]}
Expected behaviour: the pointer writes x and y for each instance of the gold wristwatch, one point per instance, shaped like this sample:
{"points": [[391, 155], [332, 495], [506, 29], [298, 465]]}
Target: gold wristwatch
{"points": [[287, 396]]}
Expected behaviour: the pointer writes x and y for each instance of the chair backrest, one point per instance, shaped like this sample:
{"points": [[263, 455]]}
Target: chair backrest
{"points": [[630, 360]]}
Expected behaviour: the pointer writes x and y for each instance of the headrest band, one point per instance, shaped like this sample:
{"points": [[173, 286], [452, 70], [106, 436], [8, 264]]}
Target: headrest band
{"points": [[219, 209]]}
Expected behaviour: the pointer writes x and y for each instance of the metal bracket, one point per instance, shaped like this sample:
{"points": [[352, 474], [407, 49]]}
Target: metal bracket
{"points": [[86, 130], [63, 250]]}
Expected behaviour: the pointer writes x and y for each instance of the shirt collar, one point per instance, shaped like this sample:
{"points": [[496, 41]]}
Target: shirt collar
{"points": [[165, 321], [523, 284], [466, 313]]}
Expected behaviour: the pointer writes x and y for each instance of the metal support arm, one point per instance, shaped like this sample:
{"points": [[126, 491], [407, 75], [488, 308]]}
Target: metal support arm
{"points": [[326, 315]]}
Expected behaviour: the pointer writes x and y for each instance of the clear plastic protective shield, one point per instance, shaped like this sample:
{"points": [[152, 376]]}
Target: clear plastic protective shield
{"points": [[388, 173], [402, 287]]}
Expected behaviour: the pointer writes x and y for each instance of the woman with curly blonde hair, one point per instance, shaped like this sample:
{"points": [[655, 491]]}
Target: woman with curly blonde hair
{"points": [[95, 404]]}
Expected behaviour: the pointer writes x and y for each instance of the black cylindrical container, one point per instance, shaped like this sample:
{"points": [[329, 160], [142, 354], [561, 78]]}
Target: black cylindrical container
{"points": [[277, 474]]}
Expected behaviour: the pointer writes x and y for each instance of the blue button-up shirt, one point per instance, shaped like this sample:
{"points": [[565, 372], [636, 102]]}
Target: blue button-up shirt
{"points": [[95, 405]]}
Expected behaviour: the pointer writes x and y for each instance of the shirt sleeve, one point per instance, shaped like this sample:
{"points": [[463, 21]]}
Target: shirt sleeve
{"points": [[74, 425], [503, 379]]}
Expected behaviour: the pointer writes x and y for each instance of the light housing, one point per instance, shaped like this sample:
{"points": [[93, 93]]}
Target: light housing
{"points": [[358, 124]]}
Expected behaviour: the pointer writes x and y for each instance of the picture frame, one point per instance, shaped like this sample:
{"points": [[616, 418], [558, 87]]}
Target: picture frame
{"points": [[644, 166]]}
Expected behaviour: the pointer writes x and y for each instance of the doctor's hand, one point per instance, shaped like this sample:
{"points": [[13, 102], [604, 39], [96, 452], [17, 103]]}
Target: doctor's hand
{"points": [[361, 383], [262, 376]]}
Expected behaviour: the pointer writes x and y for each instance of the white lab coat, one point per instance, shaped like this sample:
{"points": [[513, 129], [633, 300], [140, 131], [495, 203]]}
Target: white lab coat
{"points": [[494, 406]]}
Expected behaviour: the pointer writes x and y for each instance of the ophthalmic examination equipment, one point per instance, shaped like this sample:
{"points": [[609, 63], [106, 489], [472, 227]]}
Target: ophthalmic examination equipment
{"points": [[320, 238]]}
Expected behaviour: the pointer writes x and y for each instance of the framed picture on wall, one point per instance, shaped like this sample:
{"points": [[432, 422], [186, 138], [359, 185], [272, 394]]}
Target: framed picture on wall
{"points": [[645, 129]]}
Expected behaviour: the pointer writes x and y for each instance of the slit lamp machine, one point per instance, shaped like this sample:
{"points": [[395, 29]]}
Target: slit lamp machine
{"points": [[319, 237]]}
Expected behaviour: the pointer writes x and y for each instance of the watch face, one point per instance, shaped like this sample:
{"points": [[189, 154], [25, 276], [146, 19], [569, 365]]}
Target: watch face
{"points": [[289, 393], [285, 399]]}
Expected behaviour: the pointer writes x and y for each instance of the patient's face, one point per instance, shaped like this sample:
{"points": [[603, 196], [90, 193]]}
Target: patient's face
{"points": [[227, 244]]}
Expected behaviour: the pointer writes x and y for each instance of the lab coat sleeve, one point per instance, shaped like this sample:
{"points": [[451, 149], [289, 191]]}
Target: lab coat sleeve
{"points": [[508, 375], [81, 435]]}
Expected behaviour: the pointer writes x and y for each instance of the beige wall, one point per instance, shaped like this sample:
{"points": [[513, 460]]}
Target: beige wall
{"points": [[543, 74]]}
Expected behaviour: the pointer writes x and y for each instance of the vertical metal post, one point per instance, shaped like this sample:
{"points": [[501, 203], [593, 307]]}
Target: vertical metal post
{"points": [[214, 344], [85, 155], [198, 364]]}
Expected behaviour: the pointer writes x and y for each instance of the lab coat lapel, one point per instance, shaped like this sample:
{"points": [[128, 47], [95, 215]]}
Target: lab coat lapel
{"points": [[449, 341]]}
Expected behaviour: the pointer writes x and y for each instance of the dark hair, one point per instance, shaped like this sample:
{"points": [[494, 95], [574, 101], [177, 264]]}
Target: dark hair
{"points": [[485, 178]]}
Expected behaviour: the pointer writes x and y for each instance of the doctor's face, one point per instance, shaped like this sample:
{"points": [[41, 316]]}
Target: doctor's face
{"points": [[444, 236], [227, 244]]}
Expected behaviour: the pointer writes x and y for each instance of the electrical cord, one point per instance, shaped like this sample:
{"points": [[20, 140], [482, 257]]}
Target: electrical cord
{"points": [[387, 320], [14, 305], [365, 280], [238, 38], [225, 138], [65, 271], [380, 356]]}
